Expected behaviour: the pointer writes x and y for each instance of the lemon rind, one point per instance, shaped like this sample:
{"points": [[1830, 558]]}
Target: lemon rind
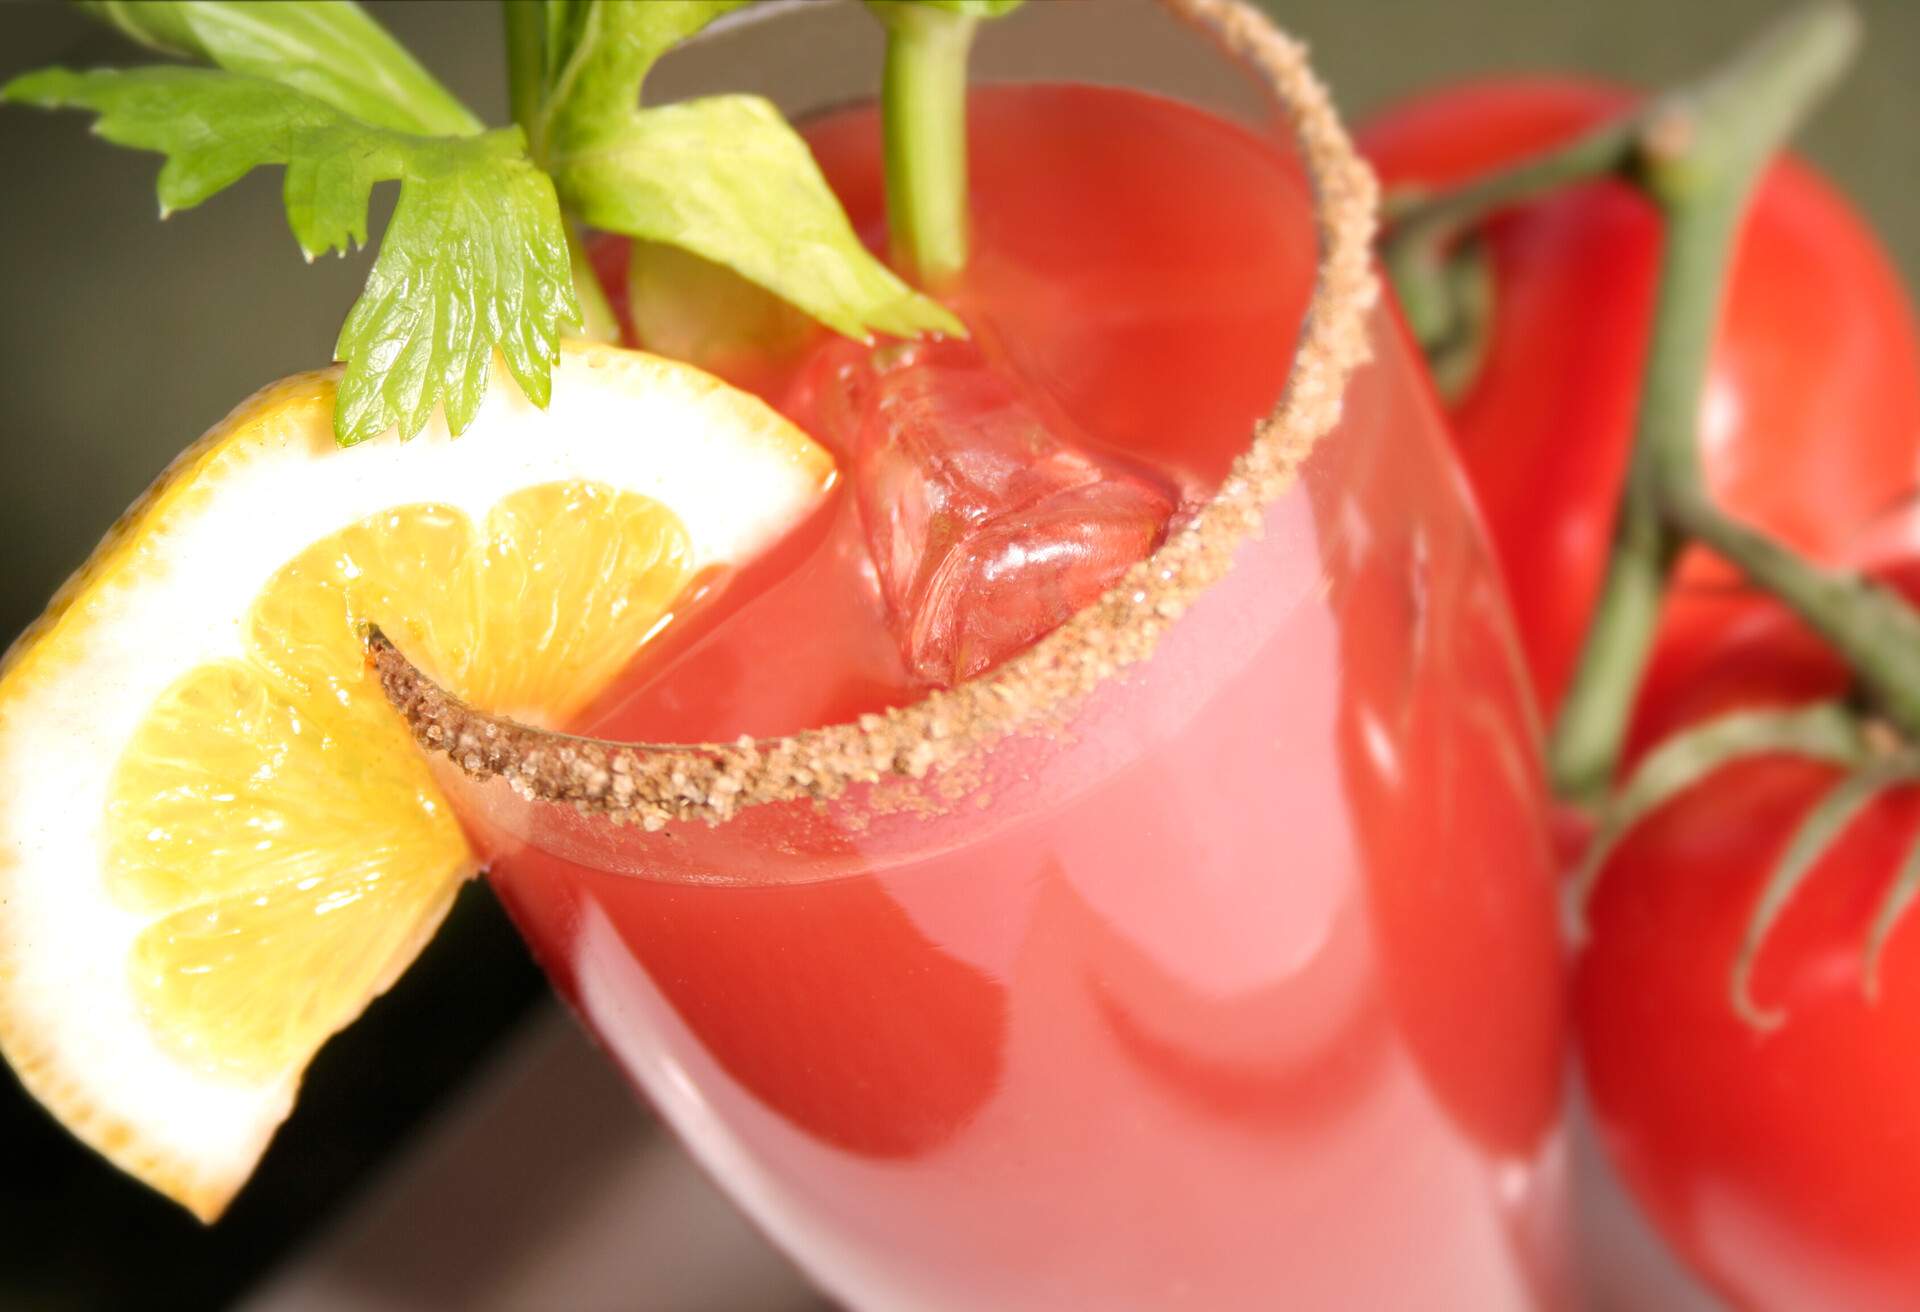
{"points": [[277, 438]]}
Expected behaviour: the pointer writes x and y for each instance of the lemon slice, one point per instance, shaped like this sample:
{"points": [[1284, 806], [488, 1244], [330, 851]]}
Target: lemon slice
{"points": [[217, 842]]}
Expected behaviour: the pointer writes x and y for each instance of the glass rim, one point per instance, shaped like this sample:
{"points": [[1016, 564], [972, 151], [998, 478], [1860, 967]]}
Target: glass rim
{"points": [[654, 785]]}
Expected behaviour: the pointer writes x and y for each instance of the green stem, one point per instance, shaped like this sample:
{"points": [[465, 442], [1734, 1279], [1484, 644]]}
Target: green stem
{"points": [[526, 29], [1811, 839], [1458, 349], [1425, 232], [526, 61], [1587, 736], [1697, 154], [1593, 721], [598, 322], [1894, 902], [1823, 731], [923, 101], [1872, 627]]}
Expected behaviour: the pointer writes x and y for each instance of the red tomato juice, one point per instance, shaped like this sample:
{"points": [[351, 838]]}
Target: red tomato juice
{"points": [[1241, 991]]}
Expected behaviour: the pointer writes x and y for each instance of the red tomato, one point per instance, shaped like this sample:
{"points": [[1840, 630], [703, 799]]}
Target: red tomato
{"points": [[608, 253], [1810, 426], [1783, 1164]]}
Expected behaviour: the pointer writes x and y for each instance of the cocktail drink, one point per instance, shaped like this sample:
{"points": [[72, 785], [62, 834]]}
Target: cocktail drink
{"points": [[1098, 860], [1042, 797]]}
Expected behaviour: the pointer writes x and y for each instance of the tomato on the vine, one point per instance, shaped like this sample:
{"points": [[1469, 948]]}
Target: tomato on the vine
{"points": [[1810, 424], [1782, 1163]]}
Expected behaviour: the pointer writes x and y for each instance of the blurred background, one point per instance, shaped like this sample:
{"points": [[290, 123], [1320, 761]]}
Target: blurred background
{"points": [[123, 338]]}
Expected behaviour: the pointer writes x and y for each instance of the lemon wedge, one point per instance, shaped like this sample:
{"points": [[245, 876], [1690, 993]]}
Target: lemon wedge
{"points": [[217, 842]]}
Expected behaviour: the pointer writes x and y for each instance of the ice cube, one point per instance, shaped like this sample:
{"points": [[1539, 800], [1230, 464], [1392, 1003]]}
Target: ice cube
{"points": [[990, 521]]}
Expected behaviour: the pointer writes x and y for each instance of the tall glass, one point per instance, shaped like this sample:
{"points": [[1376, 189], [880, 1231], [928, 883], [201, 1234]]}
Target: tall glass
{"points": [[1204, 954]]}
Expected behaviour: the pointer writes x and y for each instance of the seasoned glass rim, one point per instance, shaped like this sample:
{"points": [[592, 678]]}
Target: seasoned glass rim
{"points": [[657, 784]]}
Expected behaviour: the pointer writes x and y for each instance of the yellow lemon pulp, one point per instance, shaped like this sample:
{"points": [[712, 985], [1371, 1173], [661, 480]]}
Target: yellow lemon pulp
{"points": [[270, 813]]}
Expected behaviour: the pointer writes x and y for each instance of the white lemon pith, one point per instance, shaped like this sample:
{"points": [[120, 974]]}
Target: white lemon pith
{"points": [[217, 843]]}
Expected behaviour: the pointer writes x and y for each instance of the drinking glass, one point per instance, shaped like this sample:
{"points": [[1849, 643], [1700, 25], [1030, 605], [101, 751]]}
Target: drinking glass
{"points": [[1202, 955]]}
